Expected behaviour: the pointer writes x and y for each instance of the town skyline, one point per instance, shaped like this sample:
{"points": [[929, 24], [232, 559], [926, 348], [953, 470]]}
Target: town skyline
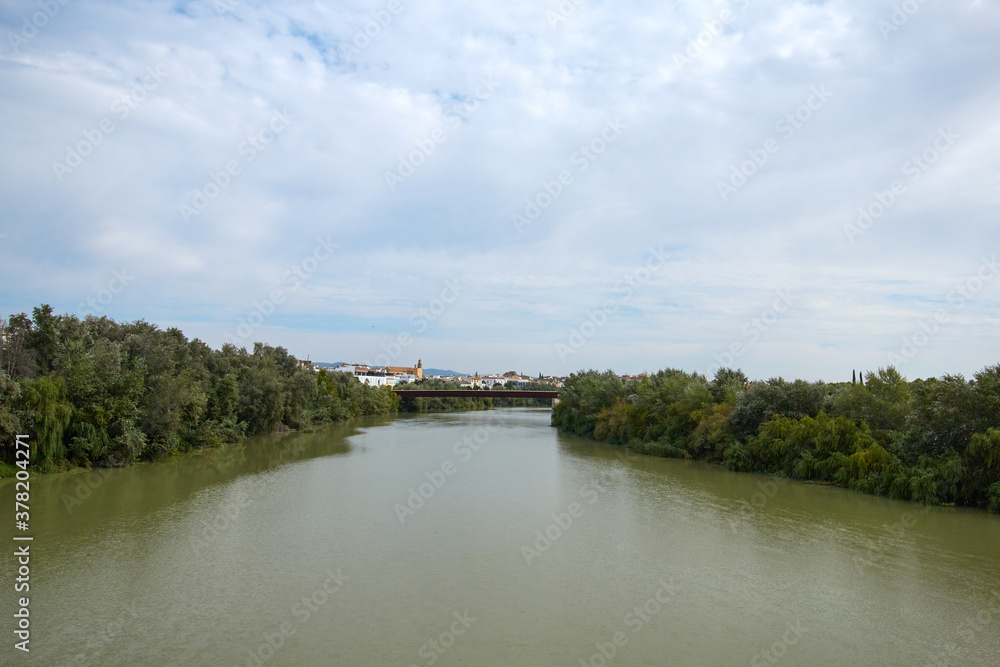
{"points": [[792, 188]]}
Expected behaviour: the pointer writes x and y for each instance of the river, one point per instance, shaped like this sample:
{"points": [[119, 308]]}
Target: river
{"points": [[488, 538]]}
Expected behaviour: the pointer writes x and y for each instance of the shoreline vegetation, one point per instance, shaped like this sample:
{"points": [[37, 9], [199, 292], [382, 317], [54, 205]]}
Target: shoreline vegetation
{"points": [[934, 441], [93, 392]]}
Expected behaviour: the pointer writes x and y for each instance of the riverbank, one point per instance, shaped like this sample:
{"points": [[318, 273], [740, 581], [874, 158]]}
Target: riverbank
{"points": [[931, 441], [96, 393], [402, 406]]}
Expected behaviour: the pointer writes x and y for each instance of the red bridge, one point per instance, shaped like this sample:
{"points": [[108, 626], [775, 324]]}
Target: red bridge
{"points": [[473, 393]]}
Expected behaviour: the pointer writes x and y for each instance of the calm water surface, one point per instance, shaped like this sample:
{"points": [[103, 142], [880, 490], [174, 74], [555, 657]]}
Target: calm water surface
{"points": [[490, 539]]}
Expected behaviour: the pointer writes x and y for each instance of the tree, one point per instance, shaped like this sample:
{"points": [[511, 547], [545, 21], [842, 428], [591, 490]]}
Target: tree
{"points": [[884, 402], [982, 460], [10, 420], [44, 338], [760, 401], [50, 412], [133, 391], [940, 422], [726, 384], [582, 398], [15, 333]]}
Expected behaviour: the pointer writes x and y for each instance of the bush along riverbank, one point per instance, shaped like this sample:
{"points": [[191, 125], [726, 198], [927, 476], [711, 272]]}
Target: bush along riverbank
{"points": [[933, 441], [95, 392]]}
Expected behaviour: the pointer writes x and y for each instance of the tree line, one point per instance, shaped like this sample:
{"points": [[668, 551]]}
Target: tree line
{"points": [[934, 441], [95, 392]]}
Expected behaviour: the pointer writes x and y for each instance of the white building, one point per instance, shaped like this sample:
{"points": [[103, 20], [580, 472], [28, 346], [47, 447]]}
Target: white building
{"points": [[375, 377], [489, 381]]}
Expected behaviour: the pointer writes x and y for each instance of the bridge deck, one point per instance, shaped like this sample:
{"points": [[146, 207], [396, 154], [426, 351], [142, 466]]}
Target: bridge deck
{"points": [[474, 393]]}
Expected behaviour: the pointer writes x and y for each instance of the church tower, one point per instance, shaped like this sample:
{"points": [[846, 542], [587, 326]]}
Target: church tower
{"points": [[419, 370]]}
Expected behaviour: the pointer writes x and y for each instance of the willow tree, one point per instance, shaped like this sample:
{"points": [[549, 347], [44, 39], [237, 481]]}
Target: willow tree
{"points": [[49, 408], [983, 462]]}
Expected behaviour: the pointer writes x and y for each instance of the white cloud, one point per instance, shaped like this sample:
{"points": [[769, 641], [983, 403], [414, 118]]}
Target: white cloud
{"points": [[354, 113]]}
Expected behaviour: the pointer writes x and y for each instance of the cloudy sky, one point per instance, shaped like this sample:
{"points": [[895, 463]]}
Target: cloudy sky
{"points": [[528, 186]]}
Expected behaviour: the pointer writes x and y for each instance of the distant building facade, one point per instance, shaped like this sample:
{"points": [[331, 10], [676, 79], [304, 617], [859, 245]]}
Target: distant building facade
{"points": [[383, 376], [417, 370]]}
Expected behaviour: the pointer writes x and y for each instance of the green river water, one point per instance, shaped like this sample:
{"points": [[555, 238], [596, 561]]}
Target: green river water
{"points": [[488, 538]]}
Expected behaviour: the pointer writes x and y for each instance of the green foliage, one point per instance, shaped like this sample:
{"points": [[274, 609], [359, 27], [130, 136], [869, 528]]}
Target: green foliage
{"points": [[16, 359], [929, 441], [760, 401], [982, 470], [883, 401], [98, 392], [943, 417], [50, 412], [10, 420], [993, 504], [582, 398], [824, 448], [711, 436], [726, 384]]}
